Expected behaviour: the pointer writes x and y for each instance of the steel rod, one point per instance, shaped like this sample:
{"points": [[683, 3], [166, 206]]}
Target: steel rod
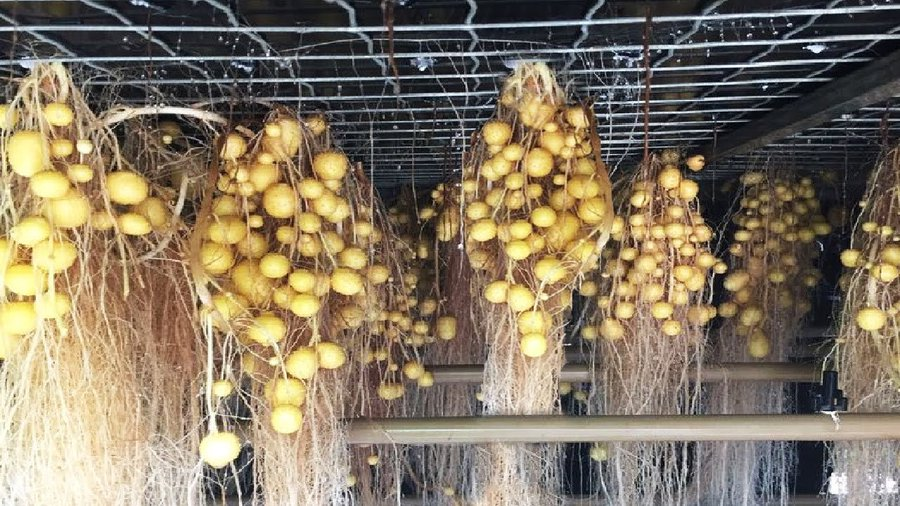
{"points": [[824, 149], [455, 108], [466, 27], [713, 68], [581, 373], [616, 140], [494, 92], [470, 129], [454, 132], [453, 124], [620, 137], [452, 78], [583, 429], [439, 108], [606, 141], [384, 166], [865, 37]]}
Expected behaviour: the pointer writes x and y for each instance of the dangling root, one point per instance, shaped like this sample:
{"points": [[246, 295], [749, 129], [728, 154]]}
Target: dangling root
{"points": [[866, 360]]}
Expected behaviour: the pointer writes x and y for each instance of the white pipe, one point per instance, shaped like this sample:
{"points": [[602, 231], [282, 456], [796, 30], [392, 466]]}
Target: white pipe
{"points": [[581, 373], [583, 429]]}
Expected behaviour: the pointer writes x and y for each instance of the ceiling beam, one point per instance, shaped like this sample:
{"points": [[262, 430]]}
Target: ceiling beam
{"points": [[876, 82]]}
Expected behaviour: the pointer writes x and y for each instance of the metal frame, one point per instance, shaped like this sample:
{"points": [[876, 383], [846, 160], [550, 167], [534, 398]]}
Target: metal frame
{"points": [[876, 82], [781, 13], [728, 55], [527, 53]]}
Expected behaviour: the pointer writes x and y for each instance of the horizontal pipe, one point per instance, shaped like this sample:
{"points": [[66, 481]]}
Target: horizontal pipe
{"points": [[450, 161], [524, 54], [459, 26], [451, 78], [494, 92], [420, 152], [584, 429], [807, 335], [581, 373], [427, 174], [456, 108], [600, 106], [457, 129], [453, 123], [428, 142], [622, 138], [716, 68], [798, 500], [626, 138], [444, 124]]}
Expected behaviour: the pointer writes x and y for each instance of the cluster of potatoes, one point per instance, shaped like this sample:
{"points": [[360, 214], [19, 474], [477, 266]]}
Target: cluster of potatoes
{"points": [[416, 227], [290, 253], [56, 160], [280, 247], [537, 200], [443, 197], [877, 259], [771, 256], [61, 168], [661, 265]]}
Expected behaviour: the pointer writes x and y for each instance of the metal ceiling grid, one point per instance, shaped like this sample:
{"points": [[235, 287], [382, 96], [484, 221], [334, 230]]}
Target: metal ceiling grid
{"points": [[716, 66], [843, 145]]}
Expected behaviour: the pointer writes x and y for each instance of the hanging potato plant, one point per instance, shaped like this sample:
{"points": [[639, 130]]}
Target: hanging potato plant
{"points": [[293, 261], [536, 211], [653, 303], [767, 295], [867, 351], [77, 337]]}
